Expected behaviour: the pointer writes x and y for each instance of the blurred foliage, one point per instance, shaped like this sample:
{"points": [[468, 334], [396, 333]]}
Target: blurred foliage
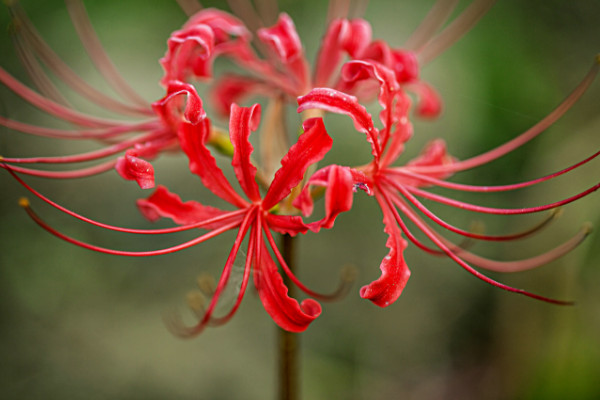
{"points": [[81, 325]]}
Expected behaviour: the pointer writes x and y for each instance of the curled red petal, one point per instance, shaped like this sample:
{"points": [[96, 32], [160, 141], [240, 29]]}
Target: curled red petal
{"points": [[132, 168], [283, 39], [404, 63], [433, 154], [231, 89], [192, 49], [402, 133], [180, 96], [223, 24], [184, 49], [311, 147], [338, 197], [358, 179], [285, 311], [394, 271], [242, 122], [287, 224], [192, 139], [429, 104], [389, 91], [165, 204], [342, 36], [341, 103]]}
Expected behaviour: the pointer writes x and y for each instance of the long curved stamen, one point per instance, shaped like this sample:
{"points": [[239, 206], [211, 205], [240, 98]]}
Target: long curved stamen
{"points": [[532, 262], [101, 133], [525, 136], [517, 265], [455, 248], [404, 171], [77, 173], [80, 217], [358, 9], [37, 74], [501, 211], [337, 9], [268, 10], [245, 10], [442, 223], [253, 247], [453, 32], [433, 237], [345, 281], [433, 21], [51, 107], [32, 38], [187, 332], [94, 48], [89, 156], [190, 7], [384, 203], [36, 218]]}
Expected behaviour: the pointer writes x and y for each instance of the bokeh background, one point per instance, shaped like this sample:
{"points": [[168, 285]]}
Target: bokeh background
{"points": [[81, 325]]}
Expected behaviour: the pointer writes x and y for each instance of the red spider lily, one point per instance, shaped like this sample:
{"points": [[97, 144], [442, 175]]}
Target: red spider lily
{"points": [[284, 69], [253, 217], [397, 189], [191, 52]]}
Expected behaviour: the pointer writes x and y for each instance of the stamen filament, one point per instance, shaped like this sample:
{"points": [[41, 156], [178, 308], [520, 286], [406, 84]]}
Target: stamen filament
{"points": [[439, 221], [80, 217], [105, 250], [433, 21], [77, 173], [99, 133], [94, 48], [523, 138], [433, 237], [51, 107], [190, 7], [253, 247], [500, 211], [195, 330], [453, 32], [37, 74], [405, 171], [64, 72], [523, 264], [89, 156], [340, 291]]}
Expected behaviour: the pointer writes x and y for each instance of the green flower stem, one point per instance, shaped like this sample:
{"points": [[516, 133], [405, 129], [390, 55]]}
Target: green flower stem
{"points": [[289, 382]]}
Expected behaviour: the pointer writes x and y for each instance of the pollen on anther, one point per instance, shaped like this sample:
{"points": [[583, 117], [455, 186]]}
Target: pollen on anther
{"points": [[24, 202], [196, 301]]}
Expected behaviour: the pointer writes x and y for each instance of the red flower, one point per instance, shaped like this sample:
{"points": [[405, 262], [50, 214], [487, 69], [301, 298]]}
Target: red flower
{"points": [[191, 52], [284, 70], [253, 215], [397, 189]]}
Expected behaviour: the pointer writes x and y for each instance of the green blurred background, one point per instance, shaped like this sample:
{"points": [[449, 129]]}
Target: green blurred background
{"points": [[81, 325]]}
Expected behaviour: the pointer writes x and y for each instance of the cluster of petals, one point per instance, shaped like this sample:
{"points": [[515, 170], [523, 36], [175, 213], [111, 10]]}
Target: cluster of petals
{"points": [[351, 68], [397, 188], [209, 34], [253, 215], [284, 69]]}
